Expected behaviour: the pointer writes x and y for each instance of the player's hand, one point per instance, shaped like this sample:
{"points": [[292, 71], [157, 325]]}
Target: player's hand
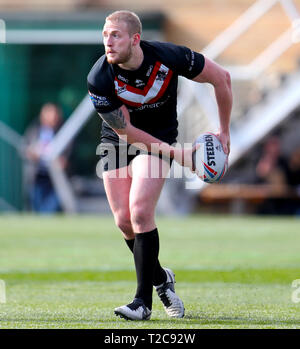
{"points": [[224, 138]]}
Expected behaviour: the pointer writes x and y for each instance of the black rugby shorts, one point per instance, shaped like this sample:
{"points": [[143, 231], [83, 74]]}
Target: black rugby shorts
{"points": [[114, 156]]}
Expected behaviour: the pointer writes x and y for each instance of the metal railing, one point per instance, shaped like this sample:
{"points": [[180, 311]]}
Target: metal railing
{"points": [[204, 94], [11, 169], [203, 115]]}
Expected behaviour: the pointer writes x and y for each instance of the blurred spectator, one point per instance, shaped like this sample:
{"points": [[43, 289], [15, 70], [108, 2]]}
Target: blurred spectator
{"points": [[271, 166], [271, 169], [283, 173], [42, 193], [293, 180], [293, 169]]}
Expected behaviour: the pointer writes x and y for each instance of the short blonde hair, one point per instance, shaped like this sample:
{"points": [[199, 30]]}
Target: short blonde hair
{"points": [[130, 18]]}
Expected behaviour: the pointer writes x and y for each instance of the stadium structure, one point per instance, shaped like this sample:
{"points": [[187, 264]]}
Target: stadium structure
{"points": [[257, 41]]}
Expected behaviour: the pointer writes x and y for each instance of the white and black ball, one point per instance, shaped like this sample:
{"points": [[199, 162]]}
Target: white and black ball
{"points": [[209, 161]]}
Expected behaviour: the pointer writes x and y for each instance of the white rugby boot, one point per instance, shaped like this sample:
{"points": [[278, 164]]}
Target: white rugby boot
{"points": [[134, 311], [172, 303]]}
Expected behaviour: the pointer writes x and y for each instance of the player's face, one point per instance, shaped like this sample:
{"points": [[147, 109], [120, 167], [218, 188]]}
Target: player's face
{"points": [[117, 42]]}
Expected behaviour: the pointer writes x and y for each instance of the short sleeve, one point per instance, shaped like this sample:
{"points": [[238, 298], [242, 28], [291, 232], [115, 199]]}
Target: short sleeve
{"points": [[100, 84], [104, 102], [193, 65], [181, 59], [189, 63]]}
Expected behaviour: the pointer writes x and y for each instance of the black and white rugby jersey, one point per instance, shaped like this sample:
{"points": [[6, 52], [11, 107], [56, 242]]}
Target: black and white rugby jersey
{"points": [[149, 93]]}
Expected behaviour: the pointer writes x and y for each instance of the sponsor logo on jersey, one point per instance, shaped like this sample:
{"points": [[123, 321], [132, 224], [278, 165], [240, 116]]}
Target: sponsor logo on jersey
{"points": [[161, 75], [120, 77], [149, 70], [150, 106], [154, 89], [99, 101], [121, 89], [192, 60], [139, 83]]}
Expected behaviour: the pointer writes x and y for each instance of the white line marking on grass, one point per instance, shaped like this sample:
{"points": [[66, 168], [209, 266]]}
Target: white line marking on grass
{"points": [[296, 293], [2, 292]]}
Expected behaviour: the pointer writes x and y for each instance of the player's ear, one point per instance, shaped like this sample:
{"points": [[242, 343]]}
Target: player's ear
{"points": [[136, 38]]}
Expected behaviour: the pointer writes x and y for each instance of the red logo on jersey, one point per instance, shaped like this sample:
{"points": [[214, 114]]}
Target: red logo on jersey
{"points": [[154, 89]]}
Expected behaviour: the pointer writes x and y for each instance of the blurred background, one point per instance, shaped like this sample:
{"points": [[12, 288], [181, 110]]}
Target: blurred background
{"points": [[49, 132]]}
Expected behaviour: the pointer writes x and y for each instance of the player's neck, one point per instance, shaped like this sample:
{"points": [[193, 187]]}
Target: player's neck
{"points": [[135, 61]]}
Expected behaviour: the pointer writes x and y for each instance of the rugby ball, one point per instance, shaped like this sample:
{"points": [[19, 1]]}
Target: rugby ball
{"points": [[209, 160]]}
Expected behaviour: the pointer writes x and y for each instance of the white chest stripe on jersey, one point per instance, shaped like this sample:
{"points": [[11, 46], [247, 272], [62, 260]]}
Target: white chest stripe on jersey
{"points": [[148, 93]]}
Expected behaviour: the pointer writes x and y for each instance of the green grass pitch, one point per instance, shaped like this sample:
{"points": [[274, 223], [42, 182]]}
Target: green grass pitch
{"points": [[72, 271]]}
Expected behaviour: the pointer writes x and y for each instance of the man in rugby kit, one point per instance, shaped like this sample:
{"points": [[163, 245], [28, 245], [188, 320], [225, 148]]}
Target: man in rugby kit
{"points": [[134, 89]]}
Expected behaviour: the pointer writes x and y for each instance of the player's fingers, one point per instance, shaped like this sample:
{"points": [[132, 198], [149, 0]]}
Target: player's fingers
{"points": [[228, 148], [195, 148], [225, 147], [225, 141]]}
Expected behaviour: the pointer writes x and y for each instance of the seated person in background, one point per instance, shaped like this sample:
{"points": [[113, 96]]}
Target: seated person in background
{"points": [[43, 196], [293, 169], [271, 167], [293, 180], [271, 170]]}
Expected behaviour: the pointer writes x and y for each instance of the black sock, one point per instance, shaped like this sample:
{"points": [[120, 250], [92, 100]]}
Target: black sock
{"points": [[130, 244], [145, 251], [159, 274]]}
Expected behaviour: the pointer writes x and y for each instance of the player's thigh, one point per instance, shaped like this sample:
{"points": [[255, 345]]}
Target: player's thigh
{"points": [[117, 184], [148, 177]]}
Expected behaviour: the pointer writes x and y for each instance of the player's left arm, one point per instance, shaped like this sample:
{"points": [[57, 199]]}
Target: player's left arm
{"points": [[214, 74]]}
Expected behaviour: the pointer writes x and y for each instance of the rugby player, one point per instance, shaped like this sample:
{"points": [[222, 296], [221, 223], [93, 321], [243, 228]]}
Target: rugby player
{"points": [[133, 87]]}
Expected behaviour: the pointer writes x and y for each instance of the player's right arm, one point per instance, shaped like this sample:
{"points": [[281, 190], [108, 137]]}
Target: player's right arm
{"points": [[116, 119], [220, 79], [119, 121]]}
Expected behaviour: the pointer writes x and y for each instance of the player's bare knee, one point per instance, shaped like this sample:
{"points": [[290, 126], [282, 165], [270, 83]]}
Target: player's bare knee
{"points": [[140, 217], [124, 224]]}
